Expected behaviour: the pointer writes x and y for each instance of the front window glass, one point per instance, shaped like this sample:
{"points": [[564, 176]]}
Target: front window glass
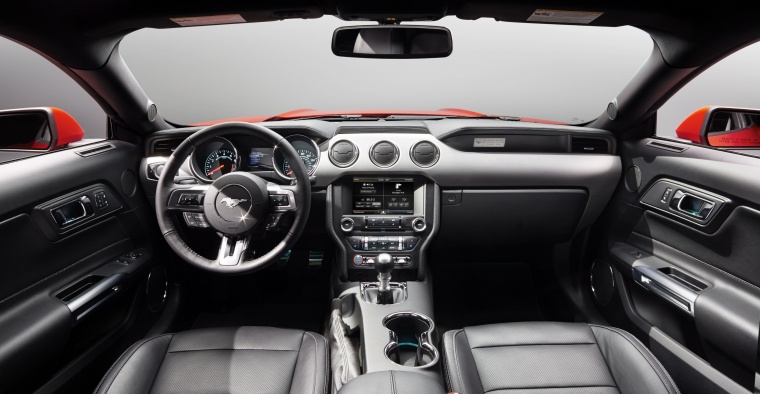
{"points": [[560, 73]]}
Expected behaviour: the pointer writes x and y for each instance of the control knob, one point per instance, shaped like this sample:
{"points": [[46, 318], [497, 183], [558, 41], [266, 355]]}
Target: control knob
{"points": [[347, 224], [419, 225]]}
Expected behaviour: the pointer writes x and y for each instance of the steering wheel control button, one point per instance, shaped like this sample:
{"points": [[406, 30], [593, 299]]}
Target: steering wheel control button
{"points": [[273, 221], [419, 225], [195, 219], [190, 199], [344, 153], [384, 154], [279, 200], [347, 224]]}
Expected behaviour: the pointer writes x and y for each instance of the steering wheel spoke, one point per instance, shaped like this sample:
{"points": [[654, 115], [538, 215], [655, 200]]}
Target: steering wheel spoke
{"points": [[232, 250]]}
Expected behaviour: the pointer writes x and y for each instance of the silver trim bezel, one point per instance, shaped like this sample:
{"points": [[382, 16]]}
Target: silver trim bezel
{"points": [[277, 165], [437, 154], [396, 151], [193, 163], [356, 156]]}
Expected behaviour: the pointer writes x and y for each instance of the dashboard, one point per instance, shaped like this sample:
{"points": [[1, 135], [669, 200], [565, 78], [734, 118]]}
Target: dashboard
{"points": [[398, 186]]}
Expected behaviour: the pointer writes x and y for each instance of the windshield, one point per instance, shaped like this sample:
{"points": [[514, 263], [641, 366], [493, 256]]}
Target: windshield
{"points": [[561, 73]]}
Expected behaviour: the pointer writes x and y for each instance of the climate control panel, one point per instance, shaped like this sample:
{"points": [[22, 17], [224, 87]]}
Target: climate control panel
{"points": [[379, 243], [369, 260], [383, 223]]}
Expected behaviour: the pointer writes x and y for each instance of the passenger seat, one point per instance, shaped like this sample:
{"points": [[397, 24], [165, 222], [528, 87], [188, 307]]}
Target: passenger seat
{"points": [[550, 358]]}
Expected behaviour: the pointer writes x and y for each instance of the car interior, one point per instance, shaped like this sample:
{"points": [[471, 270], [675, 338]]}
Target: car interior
{"points": [[379, 251]]}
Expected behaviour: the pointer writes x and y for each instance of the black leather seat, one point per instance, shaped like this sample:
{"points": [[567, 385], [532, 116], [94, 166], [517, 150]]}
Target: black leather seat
{"points": [[223, 360], [550, 358]]}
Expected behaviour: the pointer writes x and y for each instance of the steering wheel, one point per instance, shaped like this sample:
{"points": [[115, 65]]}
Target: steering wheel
{"points": [[236, 205]]}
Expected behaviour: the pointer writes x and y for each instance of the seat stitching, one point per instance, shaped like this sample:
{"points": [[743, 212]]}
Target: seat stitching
{"points": [[655, 368], [606, 362], [125, 363], [341, 342], [393, 384], [547, 387], [327, 367], [160, 364], [446, 370], [236, 350], [456, 361], [316, 362], [533, 344]]}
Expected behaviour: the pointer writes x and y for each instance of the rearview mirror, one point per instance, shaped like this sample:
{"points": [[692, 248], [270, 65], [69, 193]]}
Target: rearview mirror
{"points": [[43, 128], [722, 127], [392, 42]]}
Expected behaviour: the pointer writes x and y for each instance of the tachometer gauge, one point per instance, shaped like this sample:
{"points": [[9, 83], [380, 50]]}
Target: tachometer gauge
{"points": [[219, 162], [214, 158], [308, 151]]}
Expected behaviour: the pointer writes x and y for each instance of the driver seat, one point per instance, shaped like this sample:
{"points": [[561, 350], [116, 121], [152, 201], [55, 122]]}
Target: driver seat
{"points": [[223, 360]]}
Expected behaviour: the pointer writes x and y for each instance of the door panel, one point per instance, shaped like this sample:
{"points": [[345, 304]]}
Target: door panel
{"points": [[68, 287], [689, 284]]}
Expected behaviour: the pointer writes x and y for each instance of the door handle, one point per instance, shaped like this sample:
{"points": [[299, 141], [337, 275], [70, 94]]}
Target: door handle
{"points": [[73, 211], [692, 205]]}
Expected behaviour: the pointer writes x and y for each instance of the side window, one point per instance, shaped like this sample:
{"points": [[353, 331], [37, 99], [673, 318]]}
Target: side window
{"points": [[29, 80], [720, 107]]}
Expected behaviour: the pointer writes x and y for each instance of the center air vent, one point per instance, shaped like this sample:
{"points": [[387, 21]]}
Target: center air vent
{"points": [[424, 154], [590, 145], [384, 154], [344, 153]]}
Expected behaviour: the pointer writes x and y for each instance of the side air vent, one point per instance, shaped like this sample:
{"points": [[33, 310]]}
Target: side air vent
{"points": [[589, 145], [384, 154], [344, 153], [424, 154], [165, 147], [94, 150]]}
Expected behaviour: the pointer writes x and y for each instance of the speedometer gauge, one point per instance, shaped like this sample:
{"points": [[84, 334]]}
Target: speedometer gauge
{"points": [[309, 159], [219, 162], [308, 151]]}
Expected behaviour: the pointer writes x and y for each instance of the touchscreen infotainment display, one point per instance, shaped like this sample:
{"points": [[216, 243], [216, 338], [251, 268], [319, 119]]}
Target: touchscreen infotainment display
{"points": [[381, 196]]}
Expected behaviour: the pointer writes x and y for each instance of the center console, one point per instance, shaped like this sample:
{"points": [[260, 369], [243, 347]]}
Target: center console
{"points": [[370, 215], [382, 226]]}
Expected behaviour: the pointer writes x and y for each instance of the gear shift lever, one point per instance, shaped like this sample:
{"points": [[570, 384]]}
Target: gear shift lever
{"points": [[384, 267]]}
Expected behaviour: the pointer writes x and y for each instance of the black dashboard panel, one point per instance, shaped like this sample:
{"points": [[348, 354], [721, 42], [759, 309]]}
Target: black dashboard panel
{"points": [[529, 182]]}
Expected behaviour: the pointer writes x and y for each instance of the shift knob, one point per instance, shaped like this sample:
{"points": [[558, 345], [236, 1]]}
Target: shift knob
{"points": [[384, 263]]}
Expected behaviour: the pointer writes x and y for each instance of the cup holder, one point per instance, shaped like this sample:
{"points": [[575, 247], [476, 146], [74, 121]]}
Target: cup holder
{"points": [[411, 335]]}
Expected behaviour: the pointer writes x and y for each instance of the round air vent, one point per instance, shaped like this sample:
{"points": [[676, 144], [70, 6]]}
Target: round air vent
{"points": [[384, 154], [344, 153], [424, 154]]}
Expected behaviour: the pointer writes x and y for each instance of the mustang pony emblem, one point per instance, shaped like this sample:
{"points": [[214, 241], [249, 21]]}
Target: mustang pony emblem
{"points": [[232, 202]]}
